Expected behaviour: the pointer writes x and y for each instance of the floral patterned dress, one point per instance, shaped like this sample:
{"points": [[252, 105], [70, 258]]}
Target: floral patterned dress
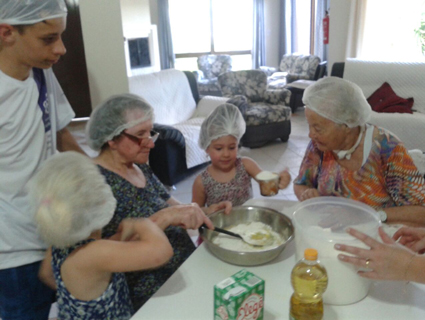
{"points": [[238, 190], [113, 304], [388, 178], [134, 202]]}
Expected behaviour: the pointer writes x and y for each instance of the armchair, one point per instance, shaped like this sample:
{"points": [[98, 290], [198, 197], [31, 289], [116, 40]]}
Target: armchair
{"points": [[210, 67], [265, 111], [292, 67]]}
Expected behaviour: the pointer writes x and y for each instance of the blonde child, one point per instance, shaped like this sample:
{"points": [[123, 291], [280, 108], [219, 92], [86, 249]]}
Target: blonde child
{"points": [[228, 177], [73, 204]]}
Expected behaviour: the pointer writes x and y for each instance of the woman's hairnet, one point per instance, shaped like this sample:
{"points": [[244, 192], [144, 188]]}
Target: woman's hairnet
{"points": [[338, 100], [71, 199], [225, 120], [113, 116], [23, 12]]}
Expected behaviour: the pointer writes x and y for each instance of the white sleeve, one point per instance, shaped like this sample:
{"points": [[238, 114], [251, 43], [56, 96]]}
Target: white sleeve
{"points": [[60, 109]]}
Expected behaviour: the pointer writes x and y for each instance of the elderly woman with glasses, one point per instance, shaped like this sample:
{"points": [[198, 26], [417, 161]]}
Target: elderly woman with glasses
{"points": [[349, 158], [121, 130]]}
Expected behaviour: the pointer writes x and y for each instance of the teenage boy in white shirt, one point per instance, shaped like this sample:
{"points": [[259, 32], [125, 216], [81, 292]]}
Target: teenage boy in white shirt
{"points": [[34, 113]]}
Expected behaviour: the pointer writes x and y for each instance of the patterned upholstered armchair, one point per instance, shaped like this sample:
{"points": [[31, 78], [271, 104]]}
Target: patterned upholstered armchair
{"points": [[210, 67], [266, 112], [292, 67]]}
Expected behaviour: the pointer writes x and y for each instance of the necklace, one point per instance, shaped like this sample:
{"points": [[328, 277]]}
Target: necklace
{"points": [[346, 154]]}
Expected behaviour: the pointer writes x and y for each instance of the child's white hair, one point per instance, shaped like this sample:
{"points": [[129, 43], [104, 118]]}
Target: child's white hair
{"points": [[71, 199]]}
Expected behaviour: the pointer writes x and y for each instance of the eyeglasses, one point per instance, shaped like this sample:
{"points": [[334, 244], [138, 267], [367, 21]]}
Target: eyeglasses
{"points": [[142, 141]]}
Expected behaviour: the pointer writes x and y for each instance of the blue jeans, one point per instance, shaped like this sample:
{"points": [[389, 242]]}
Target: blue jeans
{"points": [[22, 295]]}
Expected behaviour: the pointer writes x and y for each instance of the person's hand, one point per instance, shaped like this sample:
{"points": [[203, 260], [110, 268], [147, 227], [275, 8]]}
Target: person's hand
{"points": [[412, 238], [284, 179], [385, 261], [187, 216], [309, 193], [226, 205]]}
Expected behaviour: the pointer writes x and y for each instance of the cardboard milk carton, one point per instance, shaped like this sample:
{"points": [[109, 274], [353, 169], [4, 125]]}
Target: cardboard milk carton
{"points": [[240, 297]]}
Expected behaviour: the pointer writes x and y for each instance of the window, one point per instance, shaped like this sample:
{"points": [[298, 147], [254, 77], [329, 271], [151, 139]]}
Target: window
{"points": [[201, 27], [389, 30]]}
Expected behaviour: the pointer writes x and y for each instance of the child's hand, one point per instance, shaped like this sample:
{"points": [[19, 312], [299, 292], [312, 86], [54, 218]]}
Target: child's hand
{"points": [[226, 205], [285, 179]]}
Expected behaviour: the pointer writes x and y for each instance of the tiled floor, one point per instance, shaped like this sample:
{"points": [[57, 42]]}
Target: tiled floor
{"points": [[274, 156]]}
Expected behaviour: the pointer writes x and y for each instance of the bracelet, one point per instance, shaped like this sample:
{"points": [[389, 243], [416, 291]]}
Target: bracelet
{"points": [[408, 266]]}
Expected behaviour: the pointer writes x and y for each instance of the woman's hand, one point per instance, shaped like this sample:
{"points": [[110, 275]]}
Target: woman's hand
{"points": [[226, 205], [386, 261], [309, 193], [412, 238], [187, 216], [284, 179]]}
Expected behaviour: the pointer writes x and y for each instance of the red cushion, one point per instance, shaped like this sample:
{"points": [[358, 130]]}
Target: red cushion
{"points": [[385, 99]]}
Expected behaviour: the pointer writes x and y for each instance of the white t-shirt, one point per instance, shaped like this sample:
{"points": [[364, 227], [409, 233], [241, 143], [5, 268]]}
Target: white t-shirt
{"points": [[24, 145]]}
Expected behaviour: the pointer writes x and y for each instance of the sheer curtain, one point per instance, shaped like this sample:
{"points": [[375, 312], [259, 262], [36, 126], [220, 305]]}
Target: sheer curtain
{"points": [[258, 45], [287, 27], [356, 28], [166, 51]]}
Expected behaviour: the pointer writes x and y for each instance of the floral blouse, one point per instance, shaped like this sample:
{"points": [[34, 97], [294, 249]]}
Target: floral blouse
{"points": [[388, 178], [113, 304], [134, 202]]}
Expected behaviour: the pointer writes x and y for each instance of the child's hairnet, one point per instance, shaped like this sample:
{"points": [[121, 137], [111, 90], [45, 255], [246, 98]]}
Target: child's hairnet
{"points": [[225, 120], [23, 12], [113, 116], [338, 100], [71, 199]]}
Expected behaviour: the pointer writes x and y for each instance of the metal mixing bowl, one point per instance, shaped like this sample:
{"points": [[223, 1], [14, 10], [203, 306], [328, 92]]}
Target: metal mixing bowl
{"points": [[244, 214]]}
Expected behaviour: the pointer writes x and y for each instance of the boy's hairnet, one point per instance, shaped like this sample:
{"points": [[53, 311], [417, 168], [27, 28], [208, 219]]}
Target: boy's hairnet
{"points": [[113, 116], [23, 12], [225, 120], [338, 100], [71, 199]]}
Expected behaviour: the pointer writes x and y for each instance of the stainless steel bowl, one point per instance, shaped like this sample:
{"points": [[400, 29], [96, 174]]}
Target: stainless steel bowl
{"points": [[244, 214]]}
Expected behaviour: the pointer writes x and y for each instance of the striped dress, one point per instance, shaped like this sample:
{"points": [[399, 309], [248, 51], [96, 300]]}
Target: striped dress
{"points": [[388, 178]]}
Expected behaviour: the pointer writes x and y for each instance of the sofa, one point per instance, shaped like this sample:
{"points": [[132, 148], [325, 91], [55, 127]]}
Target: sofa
{"points": [[406, 79], [265, 112], [179, 112], [210, 67], [292, 67]]}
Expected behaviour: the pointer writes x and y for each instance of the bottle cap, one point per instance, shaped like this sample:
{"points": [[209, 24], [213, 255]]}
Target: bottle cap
{"points": [[310, 254]]}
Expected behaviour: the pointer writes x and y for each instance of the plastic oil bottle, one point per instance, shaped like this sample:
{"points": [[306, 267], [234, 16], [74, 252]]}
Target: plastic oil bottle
{"points": [[309, 280]]}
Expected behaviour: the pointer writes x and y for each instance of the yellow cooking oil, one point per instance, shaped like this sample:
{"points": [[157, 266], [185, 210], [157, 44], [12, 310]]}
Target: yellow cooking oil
{"points": [[309, 280]]}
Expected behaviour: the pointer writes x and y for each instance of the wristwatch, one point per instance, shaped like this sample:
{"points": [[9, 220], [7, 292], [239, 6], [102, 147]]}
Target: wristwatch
{"points": [[382, 215]]}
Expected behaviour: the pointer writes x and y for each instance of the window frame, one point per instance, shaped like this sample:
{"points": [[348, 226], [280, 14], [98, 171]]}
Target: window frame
{"points": [[212, 51]]}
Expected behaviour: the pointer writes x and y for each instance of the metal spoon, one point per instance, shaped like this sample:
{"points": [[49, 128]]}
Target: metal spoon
{"points": [[258, 239]]}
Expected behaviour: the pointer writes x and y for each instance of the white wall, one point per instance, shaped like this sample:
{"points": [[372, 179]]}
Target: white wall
{"points": [[272, 24], [105, 23], [104, 48], [135, 17], [338, 31]]}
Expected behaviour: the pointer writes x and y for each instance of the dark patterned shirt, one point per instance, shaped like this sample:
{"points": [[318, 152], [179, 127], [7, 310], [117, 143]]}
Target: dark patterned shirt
{"points": [[238, 190], [113, 304], [134, 202]]}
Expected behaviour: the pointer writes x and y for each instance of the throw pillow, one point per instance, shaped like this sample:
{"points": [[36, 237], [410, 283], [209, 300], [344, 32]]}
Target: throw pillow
{"points": [[384, 99]]}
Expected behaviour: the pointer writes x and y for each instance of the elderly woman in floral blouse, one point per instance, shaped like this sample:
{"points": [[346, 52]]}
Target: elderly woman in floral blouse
{"points": [[121, 129], [349, 158]]}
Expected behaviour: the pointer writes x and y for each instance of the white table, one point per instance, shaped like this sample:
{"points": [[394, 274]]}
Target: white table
{"points": [[188, 294]]}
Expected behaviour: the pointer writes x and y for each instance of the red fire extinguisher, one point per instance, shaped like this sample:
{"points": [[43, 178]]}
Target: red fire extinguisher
{"points": [[326, 28]]}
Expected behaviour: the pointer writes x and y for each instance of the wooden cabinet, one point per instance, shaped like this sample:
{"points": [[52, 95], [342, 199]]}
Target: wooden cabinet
{"points": [[71, 70]]}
